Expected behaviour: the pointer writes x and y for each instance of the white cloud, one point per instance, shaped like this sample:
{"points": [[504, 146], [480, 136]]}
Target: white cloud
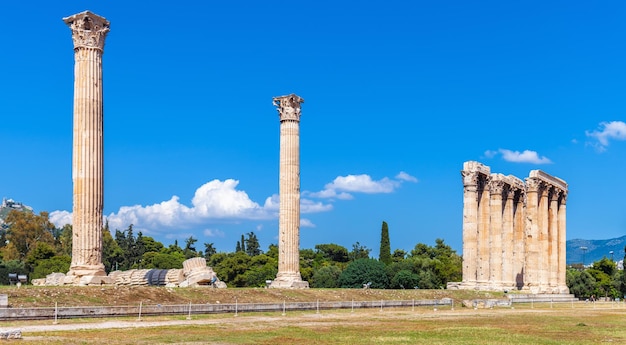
{"points": [[525, 156], [217, 199], [490, 153], [614, 130], [213, 233], [405, 177], [310, 206], [342, 186], [60, 218], [214, 201], [306, 223]]}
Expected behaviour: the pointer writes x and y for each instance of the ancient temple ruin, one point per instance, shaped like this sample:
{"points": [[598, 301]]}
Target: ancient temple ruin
{"points": [[513, 231]]}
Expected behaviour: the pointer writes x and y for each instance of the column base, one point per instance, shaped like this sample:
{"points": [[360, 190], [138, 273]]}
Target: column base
{"points": [[82, 275], [289, 281]]}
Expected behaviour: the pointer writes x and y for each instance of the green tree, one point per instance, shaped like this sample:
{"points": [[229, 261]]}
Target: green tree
{"points": [[326, 277], [190, 249], [605, 265], [359, 252], [243, 244], [441, 261], [55, 264], [623, 281], [252, 246], [333, 252], [112, 254], [151, 245], [231, 269], [41, 251], [163, 260], [272, 251], [405, 279], [580, 283], [65, 240], [398, 255], [261, 269], [364, 271], [25, 231], [385, 247], [209, 249]]}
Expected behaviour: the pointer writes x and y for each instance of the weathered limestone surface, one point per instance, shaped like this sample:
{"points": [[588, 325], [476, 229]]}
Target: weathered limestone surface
{"points": [[194, 273], [288, 275], [513, 231], [88, 34]]}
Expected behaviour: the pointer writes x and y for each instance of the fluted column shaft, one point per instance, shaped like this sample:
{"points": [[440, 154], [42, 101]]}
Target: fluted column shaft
{"points": [[507, 239], [88, 34], [561, 278], [532, 234], [495, 232], [289, 191], [544, 259], [484, 213], [553, 247], [519, 237], [288, 275], [470, 226]]}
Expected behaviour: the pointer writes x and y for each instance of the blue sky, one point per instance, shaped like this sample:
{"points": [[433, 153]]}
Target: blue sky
{"points": [[398, 94]]}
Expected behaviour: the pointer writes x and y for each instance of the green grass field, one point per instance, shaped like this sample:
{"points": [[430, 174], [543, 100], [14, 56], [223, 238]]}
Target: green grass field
{"points": [[579, 323]]}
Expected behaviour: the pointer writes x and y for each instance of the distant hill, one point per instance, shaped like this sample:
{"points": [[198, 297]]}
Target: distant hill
{"points": [[595, 250], [8, 205]]}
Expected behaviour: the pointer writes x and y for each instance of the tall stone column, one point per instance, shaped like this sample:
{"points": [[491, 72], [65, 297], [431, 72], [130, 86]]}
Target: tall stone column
{"points": [[470, 225], [507, 239], [484, 224], [553, 252], [88, 33], [561, 277], [544, 259], [288, 275], [496, 188], [531, 278], [519, 238]]}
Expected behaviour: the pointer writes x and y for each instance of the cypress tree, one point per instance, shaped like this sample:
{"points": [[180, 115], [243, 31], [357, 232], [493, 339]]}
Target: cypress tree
{"points": [[243, 244], [385, 246]]}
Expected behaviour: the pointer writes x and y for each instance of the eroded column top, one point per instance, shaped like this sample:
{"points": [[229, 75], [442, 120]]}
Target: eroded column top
{"points": [[88, 30], [288, 106]]}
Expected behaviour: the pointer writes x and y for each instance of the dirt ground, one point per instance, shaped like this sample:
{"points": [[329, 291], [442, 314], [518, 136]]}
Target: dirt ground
{"points": [[68, 296]]}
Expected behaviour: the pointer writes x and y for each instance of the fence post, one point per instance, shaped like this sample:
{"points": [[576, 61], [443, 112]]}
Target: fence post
{"points": [[140, 305], [56, 313]]}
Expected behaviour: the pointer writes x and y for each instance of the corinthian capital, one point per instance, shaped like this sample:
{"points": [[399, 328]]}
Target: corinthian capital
{"points": [[288, 106], [88, 30], [533, 184]]}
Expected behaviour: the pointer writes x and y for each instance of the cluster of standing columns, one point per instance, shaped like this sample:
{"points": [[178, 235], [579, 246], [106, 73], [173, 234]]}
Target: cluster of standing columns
{"points": [[513, 231]]}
